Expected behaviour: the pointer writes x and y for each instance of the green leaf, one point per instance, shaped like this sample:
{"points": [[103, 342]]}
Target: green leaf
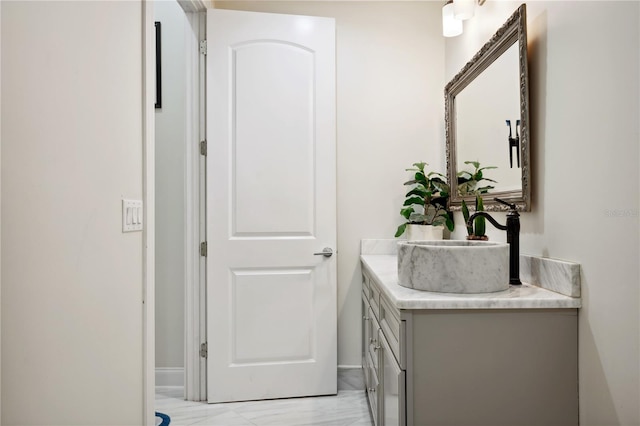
{"points": [[414, 200], [421, 178], [466, 188], [439, 202], [436, 174], [479, 222], [484, 189], [449, 223], [420, 166], [468, 181], [465, 211], [401, 229], [406, 212], [466, 215], [463, 180], [480, 225], [419, 218], [419, 191], [437, 221], [439, 184]]}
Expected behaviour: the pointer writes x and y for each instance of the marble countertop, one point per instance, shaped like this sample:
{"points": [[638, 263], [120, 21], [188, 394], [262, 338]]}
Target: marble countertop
{"points": [[384, 269]]}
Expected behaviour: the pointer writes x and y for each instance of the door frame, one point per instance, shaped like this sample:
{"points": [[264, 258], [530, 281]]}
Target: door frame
{"points": [[195, 366], [148, 200], [193, 275]]}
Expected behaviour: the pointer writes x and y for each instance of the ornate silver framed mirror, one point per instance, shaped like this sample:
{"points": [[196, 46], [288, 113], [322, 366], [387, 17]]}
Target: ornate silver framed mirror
{"points": [[487, 120]]}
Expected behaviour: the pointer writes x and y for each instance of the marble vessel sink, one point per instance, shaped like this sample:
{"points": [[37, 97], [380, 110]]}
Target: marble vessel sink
{"points": [[450, 266]]}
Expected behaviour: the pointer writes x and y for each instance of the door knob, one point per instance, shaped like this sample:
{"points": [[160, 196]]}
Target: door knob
{"points": [[326, 252]]}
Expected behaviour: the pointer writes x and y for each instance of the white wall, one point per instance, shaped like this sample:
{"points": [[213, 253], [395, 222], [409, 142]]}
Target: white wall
{"points": [[584, 72], [71, 149], [390, 83], [170, 189]]}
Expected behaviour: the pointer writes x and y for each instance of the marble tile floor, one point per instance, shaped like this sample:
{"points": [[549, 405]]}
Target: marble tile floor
{"points": [[348, 408]]}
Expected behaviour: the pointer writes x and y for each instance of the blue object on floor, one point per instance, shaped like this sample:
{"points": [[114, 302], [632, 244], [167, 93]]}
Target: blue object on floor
{"points": [[162, 419]]}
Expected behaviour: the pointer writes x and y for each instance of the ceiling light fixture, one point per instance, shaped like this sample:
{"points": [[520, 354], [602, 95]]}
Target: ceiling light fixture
{"points": [[451, 26], [464, 9], [456, 11]]}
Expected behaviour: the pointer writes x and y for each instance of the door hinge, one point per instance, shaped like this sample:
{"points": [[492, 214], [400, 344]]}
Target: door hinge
{"points": [[203, 148], [204, 351], [203, 249], [203, 47]]}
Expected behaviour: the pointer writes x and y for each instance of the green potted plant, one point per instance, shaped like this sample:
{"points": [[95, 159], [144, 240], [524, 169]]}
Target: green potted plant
{"points": [[468, 184], [426, 205]]}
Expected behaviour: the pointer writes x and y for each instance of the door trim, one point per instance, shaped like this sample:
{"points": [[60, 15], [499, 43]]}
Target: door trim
{"points": [[193, 215], [195, 367], [193, 5], [148, 197]]}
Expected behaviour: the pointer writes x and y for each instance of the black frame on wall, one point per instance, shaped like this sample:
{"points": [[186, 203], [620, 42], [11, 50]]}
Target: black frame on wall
{"points": [[158, 65]]}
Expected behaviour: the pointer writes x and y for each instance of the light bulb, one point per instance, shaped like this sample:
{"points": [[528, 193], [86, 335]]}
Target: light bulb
{"points": [[451, 26]]}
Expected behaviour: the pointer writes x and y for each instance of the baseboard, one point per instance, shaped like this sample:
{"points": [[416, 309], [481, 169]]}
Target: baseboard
{"points": [[350, 377], [174, 376], [169, 376]]}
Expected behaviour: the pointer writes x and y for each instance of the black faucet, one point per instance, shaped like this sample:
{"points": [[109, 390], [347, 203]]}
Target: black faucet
{"points": [[513, 237], [514, 143]]}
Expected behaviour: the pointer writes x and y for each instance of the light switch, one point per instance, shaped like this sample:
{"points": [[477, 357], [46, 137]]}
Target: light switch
{"points": [[131, 215]]}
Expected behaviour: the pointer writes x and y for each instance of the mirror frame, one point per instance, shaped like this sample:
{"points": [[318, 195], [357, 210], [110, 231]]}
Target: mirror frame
{"points": [[514, 29]]}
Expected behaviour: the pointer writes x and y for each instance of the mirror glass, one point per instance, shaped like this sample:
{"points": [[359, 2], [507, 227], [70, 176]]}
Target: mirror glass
{"points": [[487, 118]]}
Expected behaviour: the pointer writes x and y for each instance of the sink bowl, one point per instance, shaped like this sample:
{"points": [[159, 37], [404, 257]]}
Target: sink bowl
{"points": [[450, 266]]}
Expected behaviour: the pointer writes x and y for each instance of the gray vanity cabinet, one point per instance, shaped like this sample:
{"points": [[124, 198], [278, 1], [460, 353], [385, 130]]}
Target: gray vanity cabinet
{"points": [[384, 379], [499, 367]]}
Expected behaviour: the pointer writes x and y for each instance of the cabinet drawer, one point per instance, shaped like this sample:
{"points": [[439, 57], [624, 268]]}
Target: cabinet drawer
{"points": [[390, 325], [366, 286], [374, 342], [374, 298]]}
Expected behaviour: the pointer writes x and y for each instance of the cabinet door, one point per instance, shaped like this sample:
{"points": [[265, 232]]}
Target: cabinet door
{"points": [[366, 336], [392, 398], [372, 393]]}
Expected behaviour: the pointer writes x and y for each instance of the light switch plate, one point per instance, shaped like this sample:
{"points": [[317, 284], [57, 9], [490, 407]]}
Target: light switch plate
{"points": [[131, 215]]}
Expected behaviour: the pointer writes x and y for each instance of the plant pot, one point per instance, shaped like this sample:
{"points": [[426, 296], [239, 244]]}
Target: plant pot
{"points": [[477, 238], [424, 232]]}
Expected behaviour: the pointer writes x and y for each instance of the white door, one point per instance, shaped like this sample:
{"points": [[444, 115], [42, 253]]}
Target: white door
{"points": [[271, 204]]}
